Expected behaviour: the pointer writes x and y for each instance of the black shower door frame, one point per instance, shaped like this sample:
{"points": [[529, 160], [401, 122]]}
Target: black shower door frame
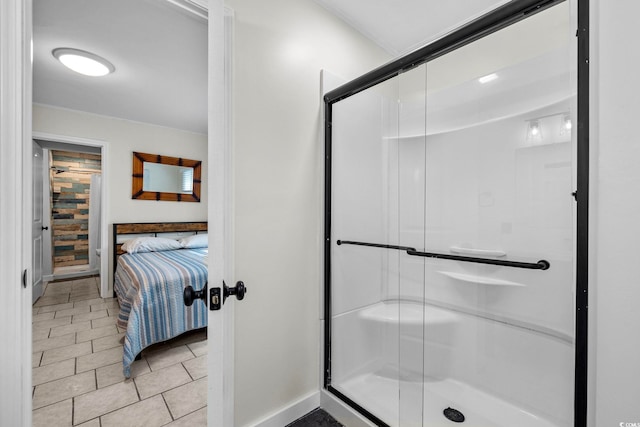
{"points": [[499, 18]]}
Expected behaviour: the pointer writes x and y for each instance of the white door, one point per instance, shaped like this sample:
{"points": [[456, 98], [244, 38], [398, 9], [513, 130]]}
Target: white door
{"points": [[220, 323], [37, 227]]}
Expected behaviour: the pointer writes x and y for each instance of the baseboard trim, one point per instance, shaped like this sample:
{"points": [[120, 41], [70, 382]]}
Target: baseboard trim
{"points": [[292, 412], [341, 412]]}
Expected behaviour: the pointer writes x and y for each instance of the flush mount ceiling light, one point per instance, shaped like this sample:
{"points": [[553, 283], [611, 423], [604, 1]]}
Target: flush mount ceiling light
{"points": [[83, 62], [488, 78]]}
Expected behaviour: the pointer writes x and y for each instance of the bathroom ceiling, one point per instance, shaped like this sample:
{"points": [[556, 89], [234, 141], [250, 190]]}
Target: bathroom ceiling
{"points": [[402, 26], [159, 50]]}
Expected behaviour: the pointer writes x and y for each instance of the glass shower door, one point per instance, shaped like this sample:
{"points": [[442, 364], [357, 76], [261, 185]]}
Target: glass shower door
{"points": [[499, 228], [406, 291], [452, 235], [364, 328]]}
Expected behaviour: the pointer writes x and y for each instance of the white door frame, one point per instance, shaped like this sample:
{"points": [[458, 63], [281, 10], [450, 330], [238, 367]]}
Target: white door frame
{"points": [[220, 402], [15, 212], [104, 223]]}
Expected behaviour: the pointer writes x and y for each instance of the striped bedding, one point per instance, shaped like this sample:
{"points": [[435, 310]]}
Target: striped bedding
{"points": [[149, 287]]}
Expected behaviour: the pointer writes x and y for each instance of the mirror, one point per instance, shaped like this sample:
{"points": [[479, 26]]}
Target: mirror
{"points": [[157, 177]]}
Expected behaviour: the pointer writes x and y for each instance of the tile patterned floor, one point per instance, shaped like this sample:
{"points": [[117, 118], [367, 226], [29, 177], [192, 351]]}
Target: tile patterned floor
{"points": [[77, 366]]}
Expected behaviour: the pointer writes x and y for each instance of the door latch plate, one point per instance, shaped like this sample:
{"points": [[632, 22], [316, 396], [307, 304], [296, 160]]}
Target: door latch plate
{"points": [[214, 299]]}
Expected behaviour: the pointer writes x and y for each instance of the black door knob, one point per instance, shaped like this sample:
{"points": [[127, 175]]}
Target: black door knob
{"points": [[45, 228], [238, 290], [189, 295]]}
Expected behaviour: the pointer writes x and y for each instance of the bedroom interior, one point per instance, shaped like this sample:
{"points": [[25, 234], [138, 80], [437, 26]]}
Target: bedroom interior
{"points": [[76, 329], [278, 217]]}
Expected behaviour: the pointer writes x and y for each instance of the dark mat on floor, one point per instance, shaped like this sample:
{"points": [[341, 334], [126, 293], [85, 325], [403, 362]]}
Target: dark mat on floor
{"points": [[316, 418]]}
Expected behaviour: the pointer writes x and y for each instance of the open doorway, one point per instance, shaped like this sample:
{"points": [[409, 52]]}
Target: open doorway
{"points": [[143, 106], [71, 207], [72, 191]]}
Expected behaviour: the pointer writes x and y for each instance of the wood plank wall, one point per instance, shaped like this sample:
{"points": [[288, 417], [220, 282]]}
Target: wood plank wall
{"points": [[70, 205]]}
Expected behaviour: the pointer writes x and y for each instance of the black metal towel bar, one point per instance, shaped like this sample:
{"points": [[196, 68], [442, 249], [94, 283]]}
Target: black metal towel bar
{"points": [[540, 265]]}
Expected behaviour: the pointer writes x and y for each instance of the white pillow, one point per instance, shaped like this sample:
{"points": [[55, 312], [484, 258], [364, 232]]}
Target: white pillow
{"points": [[195, 241], [149, 244]]}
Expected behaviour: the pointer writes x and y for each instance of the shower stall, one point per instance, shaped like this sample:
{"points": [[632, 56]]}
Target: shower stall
{"points": [[455, 211]]}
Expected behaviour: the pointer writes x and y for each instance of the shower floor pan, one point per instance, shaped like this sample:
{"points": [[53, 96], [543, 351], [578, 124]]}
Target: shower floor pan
{"points": [[379, 394]]}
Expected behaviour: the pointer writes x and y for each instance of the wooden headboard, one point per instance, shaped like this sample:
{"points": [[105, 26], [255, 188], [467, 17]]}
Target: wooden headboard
{"points": [[151, 228]]}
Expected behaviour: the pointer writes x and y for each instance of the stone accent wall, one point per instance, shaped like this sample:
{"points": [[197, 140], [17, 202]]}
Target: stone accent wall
{"points": [[70, 182]]}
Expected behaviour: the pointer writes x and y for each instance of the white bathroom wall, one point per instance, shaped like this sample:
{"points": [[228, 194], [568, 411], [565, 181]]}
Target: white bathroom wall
{"points": [[122, 138], [279, 49], [615, 202], [497, 192]]}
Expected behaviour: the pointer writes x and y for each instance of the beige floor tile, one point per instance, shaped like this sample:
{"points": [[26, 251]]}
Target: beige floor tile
{"points": [[163, 358], [57, 290], [189, 337], [68, 329], [52, 300], [62, 389], [197, 367], [103, 321], [79, 298], [187, 398], [198, 348], [103, 401], [58, 414], [43, 316], [55, 342], [53, 323], [194, 419], [35, 359], [99, 359], [162, 380], [62, 353], [54, 371], [88, 302], [85, 282], [89, 316], [76, 298], [71, 311], [56, 307], [150, 413], [38, 334], [96, 333], [112, 374], [114, 312], [105, 305], [93, 423], [107, 342]]}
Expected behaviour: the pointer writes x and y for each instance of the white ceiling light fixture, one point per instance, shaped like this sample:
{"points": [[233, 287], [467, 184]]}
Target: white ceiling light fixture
{"points": [[488, 78], [83, 62]]}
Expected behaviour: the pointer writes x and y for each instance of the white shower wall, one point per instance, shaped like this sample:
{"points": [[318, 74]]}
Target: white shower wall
{"points": [[481, 186]]}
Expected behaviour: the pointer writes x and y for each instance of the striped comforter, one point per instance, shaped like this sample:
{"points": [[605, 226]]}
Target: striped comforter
{"points": [[149, 287]]}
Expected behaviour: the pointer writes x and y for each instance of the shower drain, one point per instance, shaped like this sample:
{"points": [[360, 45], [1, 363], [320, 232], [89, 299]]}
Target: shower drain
{"points": [[453, 415]]}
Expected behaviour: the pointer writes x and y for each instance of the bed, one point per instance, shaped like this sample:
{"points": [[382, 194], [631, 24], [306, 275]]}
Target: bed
{"points": [[150, 275]]}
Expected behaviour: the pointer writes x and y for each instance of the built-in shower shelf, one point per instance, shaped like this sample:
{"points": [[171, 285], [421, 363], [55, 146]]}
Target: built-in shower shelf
{"points": [[407, 313], [482, 280]]}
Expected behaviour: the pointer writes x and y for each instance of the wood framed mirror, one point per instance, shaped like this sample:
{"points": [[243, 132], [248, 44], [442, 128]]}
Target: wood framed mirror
{"points": [[157, 177]]}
